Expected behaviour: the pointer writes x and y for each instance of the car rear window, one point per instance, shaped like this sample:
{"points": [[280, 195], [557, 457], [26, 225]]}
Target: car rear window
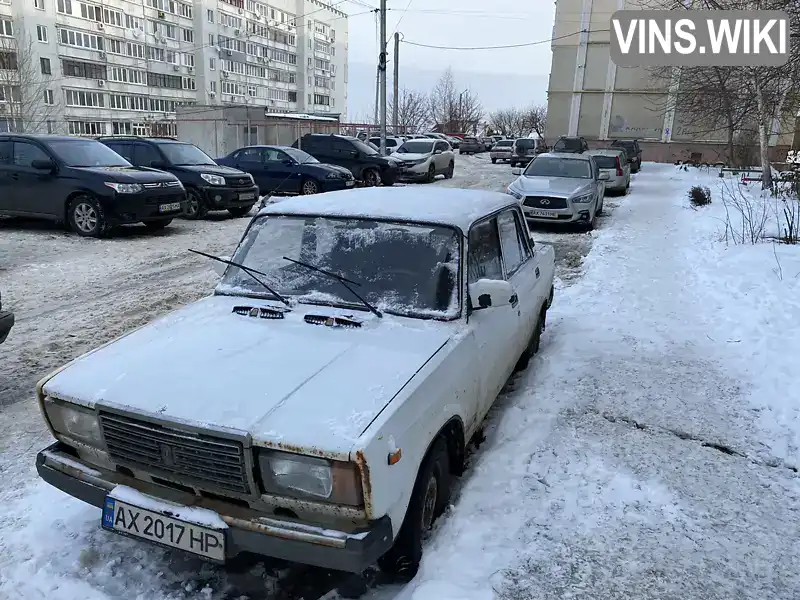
{"points": [[605, 162], [526, 144], [505, 143], [472, 140], [567, 144], [626, 145]]}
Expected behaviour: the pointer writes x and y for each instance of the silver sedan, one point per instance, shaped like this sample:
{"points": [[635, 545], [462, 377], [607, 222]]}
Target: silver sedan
{"points": [[561, 188]]}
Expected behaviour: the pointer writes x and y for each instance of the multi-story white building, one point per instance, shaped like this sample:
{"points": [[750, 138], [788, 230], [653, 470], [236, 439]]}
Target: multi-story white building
{"points": [[89, 67]]}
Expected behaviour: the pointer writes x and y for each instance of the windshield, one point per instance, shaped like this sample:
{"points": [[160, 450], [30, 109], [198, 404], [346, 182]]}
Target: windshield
{"points": [[366, 149], [471, 140], [547, 166], [87, 153], [605, 162], [404, 269], [185, 154], [299, 155], [416, 147], [526, 144], [504, 143], [572, 144]]}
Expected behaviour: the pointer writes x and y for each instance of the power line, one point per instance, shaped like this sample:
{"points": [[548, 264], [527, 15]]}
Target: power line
{"points": [[403, 14], [523, 45]]}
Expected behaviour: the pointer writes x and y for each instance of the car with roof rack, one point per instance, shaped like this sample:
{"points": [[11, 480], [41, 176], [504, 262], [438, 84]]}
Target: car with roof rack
{"points": [[81, 182], [383, 323], [209, 186]]}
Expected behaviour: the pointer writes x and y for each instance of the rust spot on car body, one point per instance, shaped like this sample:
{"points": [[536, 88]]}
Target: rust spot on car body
{"points": [[303, 450], [366, 485]]}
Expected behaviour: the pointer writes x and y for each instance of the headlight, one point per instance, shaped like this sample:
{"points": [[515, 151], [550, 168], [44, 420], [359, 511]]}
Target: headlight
{"points": [[214, 179], [124, 188], [515, 193], [74, 421], [310, 477], [586, 198]]}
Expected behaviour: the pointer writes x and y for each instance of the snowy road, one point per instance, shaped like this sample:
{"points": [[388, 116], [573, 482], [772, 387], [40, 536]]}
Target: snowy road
{"points": [[649, 452]]}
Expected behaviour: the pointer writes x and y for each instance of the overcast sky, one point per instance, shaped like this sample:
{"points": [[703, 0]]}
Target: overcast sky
{"points": [[501, 78]]}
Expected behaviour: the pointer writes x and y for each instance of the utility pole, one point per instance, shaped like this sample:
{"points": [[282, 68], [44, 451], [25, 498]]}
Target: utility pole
{"points": [[377, 93], [396, 90], [382, 74]]}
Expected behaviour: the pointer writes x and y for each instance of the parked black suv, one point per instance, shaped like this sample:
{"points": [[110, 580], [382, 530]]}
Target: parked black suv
{"points": [[633, 150], [84, 183], [209, 186], [570, 145], [364, 162], [6, 322]]}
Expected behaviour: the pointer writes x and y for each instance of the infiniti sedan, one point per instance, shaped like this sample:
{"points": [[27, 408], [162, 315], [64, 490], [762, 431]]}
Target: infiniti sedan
{"points": [[561, 188]]}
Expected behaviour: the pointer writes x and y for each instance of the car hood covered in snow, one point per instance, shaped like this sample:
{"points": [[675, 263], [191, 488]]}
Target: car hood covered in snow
{"points": [[559, 186], [284, 381]]}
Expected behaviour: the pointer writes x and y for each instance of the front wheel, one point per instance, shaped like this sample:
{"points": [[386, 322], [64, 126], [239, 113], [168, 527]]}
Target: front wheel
{"points": [[195, 206], [428, 500], [450, 170], [86, 217], [309, 187], [494, 161], [431, 175], [371, 178], [535, 341], [239, 211]]}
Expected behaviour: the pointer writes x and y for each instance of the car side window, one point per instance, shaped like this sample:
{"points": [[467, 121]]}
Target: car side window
{"points": [[252, 155], [342, 147], [483, 260], [145, 154], [5, 152], [25, 153], [514, 252], [124, 150], [279, 155], [442, 146]]}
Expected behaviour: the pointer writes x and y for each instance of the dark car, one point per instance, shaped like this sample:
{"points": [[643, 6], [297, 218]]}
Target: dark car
{"points": [[284, 170], [209, 186], [471, 145], [633, 150], [570, 145], [6, 322], [362, 160], [83, 183]]}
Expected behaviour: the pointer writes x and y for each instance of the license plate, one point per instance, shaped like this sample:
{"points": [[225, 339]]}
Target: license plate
{"points": [[250, 196], [169, 207], [124, 518], [350, 183], [547, 214]]}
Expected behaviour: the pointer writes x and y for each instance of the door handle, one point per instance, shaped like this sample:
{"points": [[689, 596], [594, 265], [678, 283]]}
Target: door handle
{"points": [[15, 176], [537, 272], [514, 300]]}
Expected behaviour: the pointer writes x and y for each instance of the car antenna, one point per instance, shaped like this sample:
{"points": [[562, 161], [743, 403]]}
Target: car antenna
{"points": [[247, 270], [343, 280]]}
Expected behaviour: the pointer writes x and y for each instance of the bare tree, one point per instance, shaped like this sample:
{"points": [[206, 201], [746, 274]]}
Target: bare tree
{"points": [[413, 111], [535, 120], [452, 108], [27, 100], [506, 122]]}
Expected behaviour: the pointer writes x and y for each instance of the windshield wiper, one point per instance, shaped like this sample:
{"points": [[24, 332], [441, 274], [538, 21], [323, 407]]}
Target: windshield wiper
{"points": [[247, 270], [344, 281]]}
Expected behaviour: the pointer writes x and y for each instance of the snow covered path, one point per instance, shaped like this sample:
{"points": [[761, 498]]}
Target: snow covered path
{"points": [[599, 478]]}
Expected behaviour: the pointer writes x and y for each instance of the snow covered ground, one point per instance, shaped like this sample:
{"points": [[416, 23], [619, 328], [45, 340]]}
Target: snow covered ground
{"points": [[650, 451]]}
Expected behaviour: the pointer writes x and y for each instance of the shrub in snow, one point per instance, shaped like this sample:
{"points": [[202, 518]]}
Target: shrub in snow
{"points": [[699, 195]]}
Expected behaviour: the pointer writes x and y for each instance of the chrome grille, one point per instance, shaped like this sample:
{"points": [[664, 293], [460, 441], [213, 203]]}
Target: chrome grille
{"points": [[239, 181], [545, 203], [206, 461], [150, 186]]}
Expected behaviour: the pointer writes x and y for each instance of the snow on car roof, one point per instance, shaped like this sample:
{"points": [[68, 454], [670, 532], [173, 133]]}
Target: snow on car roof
{"points": [[448, 206]]}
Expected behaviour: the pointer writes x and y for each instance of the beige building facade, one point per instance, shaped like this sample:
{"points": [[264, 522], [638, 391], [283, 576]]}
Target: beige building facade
{"points": [[589, 96]]}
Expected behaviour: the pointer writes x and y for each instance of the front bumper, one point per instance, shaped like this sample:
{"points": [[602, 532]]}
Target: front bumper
{"points": [[415, 171], [143, 207], [220, 197], [500, 155], [264, 535], [573, 213], [334, 185], [6, 323]]}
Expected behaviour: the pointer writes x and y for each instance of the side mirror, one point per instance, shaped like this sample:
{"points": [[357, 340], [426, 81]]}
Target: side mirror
{"points": [[437, 152], [491, 293], [604, 176], [289, 162], [219, 267], [533, 242], [516, 171], [43, 164]]}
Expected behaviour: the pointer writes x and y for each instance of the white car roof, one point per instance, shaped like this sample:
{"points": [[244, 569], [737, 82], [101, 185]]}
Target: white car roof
{"points": [[446, 206]]}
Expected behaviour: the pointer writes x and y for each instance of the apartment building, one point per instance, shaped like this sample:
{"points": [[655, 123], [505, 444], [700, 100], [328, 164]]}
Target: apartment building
{"points": [[88, 67], [588, 95]]}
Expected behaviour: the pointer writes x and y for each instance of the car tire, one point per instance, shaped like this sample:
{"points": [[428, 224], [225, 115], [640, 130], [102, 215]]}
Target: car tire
{"points": [[195, 205], [309, 187], [600, 207], [451, 168], [494, 161], [240, 211], [430, 176], [157, 225], [533, 344], [591, 224], [86, 217], [402, 560], [371, 178]]}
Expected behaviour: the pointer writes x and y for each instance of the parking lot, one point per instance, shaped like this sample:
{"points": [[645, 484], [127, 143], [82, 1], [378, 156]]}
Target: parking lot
{"points": [[71, 294]]}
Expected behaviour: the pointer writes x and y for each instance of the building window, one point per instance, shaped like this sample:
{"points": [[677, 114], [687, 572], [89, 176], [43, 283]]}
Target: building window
{"points": [[213, 86], [6, 28], [211, 39], [292, 96], [185, 10], [38, 4], [64, 6], [41, 33], [87, 70], [211, 64], [10, 94], [210, 14], [86, 128], [44, 63], [112, 17], [188, 35], [81, 98], [81, 40], [133, 22], [90, 12], [48, 97]]}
